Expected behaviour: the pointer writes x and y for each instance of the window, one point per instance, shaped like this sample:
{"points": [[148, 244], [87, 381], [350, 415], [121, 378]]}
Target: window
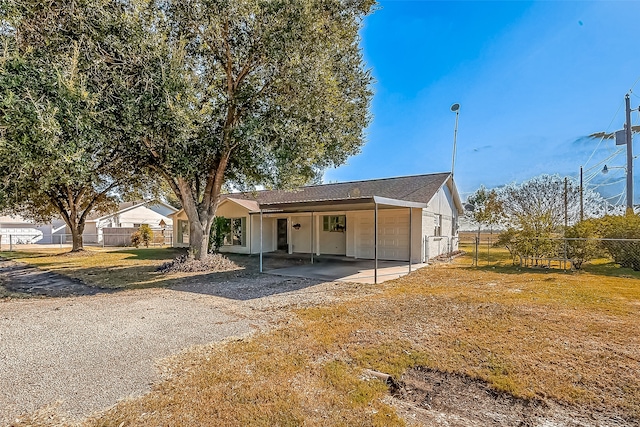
{"points": [[437, 231], [334, 223], [235, 235], [183, 231]]}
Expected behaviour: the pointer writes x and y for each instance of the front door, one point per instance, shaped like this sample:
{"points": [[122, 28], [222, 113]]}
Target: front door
{"points": [[282, 235]]}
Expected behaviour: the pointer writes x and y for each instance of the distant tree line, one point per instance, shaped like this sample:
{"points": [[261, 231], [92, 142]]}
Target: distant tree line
{"points": [[541, 218]]}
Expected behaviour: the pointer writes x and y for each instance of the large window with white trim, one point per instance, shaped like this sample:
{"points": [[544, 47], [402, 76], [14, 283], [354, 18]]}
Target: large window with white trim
{"points": [[235, 232], [334, 223]]}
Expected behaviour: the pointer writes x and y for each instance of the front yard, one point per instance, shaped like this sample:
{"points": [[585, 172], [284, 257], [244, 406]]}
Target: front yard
{"points": [[560, 339]]}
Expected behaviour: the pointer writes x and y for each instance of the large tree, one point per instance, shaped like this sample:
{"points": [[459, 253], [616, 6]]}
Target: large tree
{"points": [[539, 203], [484, 207], [251, 92], [63, 122]]}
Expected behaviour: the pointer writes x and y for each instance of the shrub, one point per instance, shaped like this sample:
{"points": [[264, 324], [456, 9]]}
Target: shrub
{"points": [[221, 227], [146, 234], [586, 248], [136, 239], [625, 253]]}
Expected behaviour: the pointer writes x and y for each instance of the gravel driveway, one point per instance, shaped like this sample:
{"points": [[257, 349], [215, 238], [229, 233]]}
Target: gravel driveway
{"points": [[88, 352]]}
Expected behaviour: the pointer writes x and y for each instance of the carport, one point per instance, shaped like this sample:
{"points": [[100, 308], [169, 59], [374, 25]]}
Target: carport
{"points": [[354, 270]]}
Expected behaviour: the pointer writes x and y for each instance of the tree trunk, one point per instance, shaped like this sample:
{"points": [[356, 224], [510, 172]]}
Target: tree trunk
{"points": [[76, 237], [198, 237]]}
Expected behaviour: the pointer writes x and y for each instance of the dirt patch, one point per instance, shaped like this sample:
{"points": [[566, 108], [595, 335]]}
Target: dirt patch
{"points": [[432, 398], [22, 279]]}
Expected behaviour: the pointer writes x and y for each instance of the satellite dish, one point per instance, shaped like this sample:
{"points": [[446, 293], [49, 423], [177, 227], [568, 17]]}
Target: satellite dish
{"points": [[455, 107]]}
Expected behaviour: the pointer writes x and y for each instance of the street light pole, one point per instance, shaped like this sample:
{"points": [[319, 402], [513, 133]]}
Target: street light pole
{"points": [[455, 108], [629, 156]]}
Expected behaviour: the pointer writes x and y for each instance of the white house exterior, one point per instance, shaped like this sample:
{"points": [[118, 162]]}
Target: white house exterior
{"points": [[130, 215], [17, 230], [416, 217]]}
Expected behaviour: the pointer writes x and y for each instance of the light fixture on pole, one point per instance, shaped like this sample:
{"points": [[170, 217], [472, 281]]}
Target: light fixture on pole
{"points": [[456, 109], [605, 169]]}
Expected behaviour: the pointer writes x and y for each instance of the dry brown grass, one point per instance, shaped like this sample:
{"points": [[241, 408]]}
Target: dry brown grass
{"points": [[568, 337]]}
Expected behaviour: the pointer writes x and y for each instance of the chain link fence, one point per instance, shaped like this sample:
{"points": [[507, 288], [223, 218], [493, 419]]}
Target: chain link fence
{"points": [[12, 242], [562, 253]]}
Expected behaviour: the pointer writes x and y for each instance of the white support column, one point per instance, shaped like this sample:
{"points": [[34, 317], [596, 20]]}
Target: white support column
{"points": [[375, 244], [312, 233], [317, 226], [410, 237], [260, 240], [289, 235]]}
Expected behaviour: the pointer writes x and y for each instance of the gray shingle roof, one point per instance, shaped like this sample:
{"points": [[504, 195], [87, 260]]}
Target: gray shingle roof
{"points": [[416, 188]]}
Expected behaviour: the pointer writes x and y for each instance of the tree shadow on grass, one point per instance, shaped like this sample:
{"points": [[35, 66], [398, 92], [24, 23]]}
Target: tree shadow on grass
{"points": [[608, 269], [241, 284], [244, 283]]}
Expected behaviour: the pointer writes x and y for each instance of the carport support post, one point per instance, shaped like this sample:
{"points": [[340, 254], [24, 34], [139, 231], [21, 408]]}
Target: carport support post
{"points": [[312, 225], [375, 243], [260, 240], [410, 237]]}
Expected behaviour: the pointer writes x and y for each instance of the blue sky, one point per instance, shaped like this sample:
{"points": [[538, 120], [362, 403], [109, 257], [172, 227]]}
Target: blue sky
{"points": [[533, 79]]}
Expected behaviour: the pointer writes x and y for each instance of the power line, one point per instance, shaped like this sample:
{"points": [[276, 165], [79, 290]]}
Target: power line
{"points": [[597, 165], [605, 131], [605, 184]]}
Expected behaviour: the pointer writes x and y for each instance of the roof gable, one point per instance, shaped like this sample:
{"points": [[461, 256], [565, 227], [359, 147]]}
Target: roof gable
{"points": [[128, 206]]}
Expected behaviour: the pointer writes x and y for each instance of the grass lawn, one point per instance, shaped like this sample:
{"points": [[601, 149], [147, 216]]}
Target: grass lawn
{"points": [[104, 268], [567, 337]]}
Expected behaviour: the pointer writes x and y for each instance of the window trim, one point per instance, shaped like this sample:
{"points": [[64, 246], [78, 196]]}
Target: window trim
{"points": [[228, 239], [334, 223]]}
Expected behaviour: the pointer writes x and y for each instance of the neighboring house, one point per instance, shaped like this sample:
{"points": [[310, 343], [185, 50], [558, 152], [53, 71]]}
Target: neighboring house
{"points": [[18, 230], [127, 218], [416, 216]]}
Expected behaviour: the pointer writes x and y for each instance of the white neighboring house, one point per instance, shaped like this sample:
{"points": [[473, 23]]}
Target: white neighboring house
{"points": [[130, 215], [18, 230], [416, 217]]}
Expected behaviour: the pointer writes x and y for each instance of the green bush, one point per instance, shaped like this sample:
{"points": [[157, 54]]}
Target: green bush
{"points": [[136, 239], [585, 249], [221, 227], [625, 253], [146, 234]]}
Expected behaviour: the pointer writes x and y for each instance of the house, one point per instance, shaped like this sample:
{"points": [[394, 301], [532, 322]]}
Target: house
{"points": [[18, 230], [410, 217], [127, 219]]}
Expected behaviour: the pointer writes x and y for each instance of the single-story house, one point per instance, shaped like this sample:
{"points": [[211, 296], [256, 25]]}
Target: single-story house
{"points": [[18, 230], [409, 217], [129, 217]]}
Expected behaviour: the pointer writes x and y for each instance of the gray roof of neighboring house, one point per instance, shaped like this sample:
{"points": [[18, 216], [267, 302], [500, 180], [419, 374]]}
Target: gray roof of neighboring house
{"points": [[416, 188]]}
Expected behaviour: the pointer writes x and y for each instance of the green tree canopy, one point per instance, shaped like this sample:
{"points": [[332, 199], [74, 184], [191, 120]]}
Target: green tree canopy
{"points": [[251, 92], [63, 124], [483, 207]]}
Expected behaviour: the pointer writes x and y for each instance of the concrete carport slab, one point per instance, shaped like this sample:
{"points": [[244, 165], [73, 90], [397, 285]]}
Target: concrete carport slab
{"points": [[348, 270]]}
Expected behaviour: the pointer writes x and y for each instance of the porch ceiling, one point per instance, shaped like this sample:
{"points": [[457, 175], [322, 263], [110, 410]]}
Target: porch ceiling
{"points": [[352, 204]]}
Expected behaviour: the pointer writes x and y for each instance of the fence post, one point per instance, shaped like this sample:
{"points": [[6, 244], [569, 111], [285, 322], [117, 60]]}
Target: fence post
{"points": [[475, 252], [488, 250], [10, 242]]}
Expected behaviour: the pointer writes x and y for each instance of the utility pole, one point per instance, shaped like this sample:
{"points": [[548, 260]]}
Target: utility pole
{"points": [[581, 197], [566, 203], [629, 155]]}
